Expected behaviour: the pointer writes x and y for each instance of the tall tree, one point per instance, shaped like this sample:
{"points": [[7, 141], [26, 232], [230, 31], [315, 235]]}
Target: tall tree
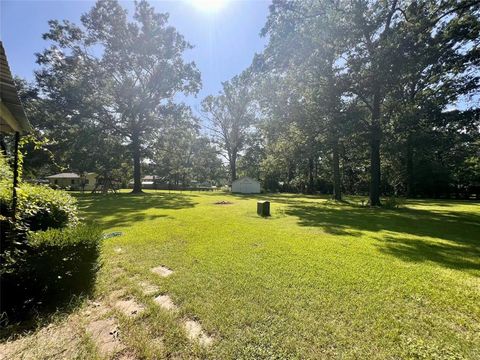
{"points": [[121, 74], [375, 59], [230, 116], [307, 39]]}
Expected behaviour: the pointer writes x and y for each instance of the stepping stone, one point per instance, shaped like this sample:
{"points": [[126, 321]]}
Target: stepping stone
{"points": [[166, 302], [163, 271], [115, 295], [195, 332], [129, 307], [95, 309], [147, 288], [118, 250], [105, 335]]}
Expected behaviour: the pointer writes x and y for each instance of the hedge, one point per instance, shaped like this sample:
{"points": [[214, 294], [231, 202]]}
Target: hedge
{"points": [[54, 265], [40, 207]]}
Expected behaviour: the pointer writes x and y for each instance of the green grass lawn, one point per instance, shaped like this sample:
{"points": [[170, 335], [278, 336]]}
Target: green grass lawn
{"points": [[316, 280]]}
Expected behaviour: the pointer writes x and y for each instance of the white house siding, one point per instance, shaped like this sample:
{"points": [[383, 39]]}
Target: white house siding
{"points": [[91, 179], [73, 181], [65, 182], [246, 185]]}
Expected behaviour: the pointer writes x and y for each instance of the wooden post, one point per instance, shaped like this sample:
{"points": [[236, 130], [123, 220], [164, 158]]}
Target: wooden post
{"points": [[263, 208], [15, 175]]}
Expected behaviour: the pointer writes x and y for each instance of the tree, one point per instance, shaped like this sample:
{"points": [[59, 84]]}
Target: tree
{"points": [[435, 75], [181, 154], [250, 162], [375, 60], [118, 74], [366, 50], [230, 117], [306, 40], [293, 128]]}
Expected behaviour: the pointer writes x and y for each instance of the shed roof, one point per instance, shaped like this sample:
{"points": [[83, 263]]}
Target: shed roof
{"points": [[242, 179], [12, 115], [64, 176]]}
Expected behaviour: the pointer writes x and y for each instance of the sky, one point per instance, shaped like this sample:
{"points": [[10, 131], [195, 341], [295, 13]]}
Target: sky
{"points": [[225, 35]]}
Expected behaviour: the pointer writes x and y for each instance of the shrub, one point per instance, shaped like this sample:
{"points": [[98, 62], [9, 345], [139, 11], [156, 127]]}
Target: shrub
{"points": [[54, 265], [40, 207], [5, 171]]}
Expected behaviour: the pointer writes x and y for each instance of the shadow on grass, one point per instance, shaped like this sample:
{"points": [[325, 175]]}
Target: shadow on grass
{"points": [[31, 301], [125, 209], [282, 198], [460, 257], [460, 230], [40, 317]]}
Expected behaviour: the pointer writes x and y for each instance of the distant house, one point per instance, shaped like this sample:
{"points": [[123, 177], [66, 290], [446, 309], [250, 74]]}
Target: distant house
{"points": [[246, 185], [148, 182], [73, 181]]}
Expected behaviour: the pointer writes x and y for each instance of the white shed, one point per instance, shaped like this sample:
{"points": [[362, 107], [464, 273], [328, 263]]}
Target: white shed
{"points": [[246, 185]]}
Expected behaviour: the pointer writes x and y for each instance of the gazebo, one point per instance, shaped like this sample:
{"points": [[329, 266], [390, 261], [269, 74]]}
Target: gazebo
{"points": [[13, 120]]}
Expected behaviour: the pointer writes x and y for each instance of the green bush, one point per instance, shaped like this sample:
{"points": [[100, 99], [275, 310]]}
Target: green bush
{"points": [[6, 173], [54, 265], [40, 207]]}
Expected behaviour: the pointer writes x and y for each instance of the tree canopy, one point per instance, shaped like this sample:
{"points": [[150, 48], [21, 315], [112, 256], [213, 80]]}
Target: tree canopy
{"points": [[377, 97]]}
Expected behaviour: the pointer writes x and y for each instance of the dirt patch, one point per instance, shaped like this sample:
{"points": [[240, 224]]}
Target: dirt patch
{"points": [[127, 356], [147, 288], [163, 271], [223, 202], [105, 334], [129, 307], [195, 333], [166, 302]]}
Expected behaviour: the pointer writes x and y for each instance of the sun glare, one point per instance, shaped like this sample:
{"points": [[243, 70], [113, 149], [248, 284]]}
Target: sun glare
{"points": [[209, 5]]}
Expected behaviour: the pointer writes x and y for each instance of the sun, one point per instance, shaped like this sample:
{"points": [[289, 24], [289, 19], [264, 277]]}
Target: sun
{"points": [[210, 6]]}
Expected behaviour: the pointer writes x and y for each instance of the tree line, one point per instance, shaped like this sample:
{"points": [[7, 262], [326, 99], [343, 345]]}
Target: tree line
{"points": [[357, 96]]}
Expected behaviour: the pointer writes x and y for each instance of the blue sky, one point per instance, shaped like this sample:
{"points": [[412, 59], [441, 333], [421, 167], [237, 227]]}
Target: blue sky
{"points": [[225, 40]]}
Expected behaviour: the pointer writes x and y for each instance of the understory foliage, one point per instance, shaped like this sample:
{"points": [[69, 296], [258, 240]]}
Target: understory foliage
{"points": [[50, 268], [40, 207], [46, 256]]}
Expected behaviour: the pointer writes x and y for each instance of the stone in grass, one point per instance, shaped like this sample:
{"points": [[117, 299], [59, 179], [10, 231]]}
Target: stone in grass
{"points": [[195, 333], [147, 288], [129, 307], [163, 271], [105, 335], [166, 302]]}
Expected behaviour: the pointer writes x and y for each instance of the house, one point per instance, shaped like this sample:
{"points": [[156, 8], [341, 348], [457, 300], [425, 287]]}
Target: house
{"points": [[73, 181], [90, 180], [246, 185], [148, 182]]}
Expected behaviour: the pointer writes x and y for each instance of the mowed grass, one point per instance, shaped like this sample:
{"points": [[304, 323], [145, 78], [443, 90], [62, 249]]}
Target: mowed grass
{"points": [[316, 280]]}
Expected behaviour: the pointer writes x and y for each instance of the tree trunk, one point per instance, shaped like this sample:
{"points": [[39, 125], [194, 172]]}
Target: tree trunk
{"points": [[410, 176], [375, 139], [233, 167], [311, 179], [137, 172], [337, 184]]}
